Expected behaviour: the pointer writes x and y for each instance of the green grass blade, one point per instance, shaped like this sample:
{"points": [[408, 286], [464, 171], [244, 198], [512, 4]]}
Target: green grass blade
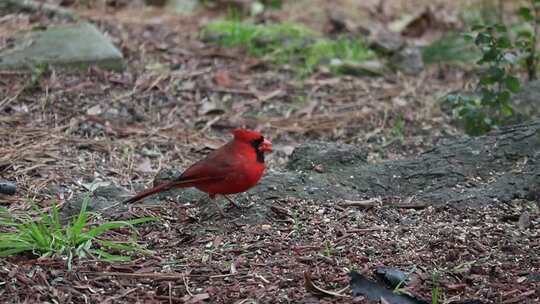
{"points": [[129, 247], [96, 231], [74, 230], [55, 218], [16, 244], [36, 234], [110, 257], [13, 251]]}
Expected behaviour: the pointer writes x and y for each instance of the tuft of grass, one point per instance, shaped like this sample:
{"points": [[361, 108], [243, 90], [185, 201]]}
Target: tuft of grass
{"points": [[436, 288], [46, 236], [298, 225], [38, 72], [328, 250], [286, 43], [343, 49]]}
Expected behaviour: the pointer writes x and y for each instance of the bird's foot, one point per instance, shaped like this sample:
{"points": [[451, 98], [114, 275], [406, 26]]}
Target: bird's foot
{"points": [[232, 202], [220, 210]]}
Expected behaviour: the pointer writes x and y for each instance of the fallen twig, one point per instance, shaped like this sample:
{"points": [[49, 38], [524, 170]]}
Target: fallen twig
{"points": [[311, 287], [369, 203], [417, 206]]}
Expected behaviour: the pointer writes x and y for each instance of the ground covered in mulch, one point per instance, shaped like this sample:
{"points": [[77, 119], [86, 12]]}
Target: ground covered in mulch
{"points": [[177, 100], [477, 254]]}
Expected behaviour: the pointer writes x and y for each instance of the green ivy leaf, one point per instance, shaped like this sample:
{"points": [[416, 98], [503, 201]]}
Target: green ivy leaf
{"points": [[524, 44], [483, 38], [507, 110], [501, 28], [503, 97], [490, 55], [525, 13], [486, 80], [477, 27], [495, 73], [468, 37], [512, 83], [525, 34], [504, 43], [452, 98], [488, 97]]}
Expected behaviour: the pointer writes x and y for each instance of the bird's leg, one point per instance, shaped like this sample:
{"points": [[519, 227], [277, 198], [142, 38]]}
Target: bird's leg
{"points": [[232, 202], [212, 198]]}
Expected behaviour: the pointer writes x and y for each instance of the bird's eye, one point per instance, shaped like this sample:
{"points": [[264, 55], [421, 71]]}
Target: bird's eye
{"points": [[257, 142]]}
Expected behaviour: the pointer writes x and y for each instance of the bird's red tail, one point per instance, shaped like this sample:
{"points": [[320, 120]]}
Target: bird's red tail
{"points": [[159, 188], [179, 183]]}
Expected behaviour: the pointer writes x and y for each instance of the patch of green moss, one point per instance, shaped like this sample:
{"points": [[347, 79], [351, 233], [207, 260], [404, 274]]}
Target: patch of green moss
{"points": [[286, 43], [450, 49]]}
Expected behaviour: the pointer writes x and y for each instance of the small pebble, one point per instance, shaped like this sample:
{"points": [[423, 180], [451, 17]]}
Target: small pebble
{"points": [[318, 168]]}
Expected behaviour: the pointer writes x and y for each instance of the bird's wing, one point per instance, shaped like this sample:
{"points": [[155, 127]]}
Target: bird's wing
{"points": [[218, 165]]}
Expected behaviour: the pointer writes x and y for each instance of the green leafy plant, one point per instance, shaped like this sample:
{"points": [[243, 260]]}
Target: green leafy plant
{"points": [[527, 38], [398, 287], [38, 72], [491, 107], [286, 43], [46, 236], [328, 250], [298, 226], [396, 134]]}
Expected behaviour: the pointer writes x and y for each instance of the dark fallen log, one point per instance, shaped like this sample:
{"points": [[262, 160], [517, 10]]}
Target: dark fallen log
{"points": [[472, 171]]}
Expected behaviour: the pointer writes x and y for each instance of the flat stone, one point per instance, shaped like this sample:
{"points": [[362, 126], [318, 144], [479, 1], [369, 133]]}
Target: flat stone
{"points": [[74, 46], [408, 60], [183, 7]]}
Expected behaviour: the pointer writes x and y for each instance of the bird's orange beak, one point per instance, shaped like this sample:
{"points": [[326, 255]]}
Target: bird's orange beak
{"points": [[266, 146]]}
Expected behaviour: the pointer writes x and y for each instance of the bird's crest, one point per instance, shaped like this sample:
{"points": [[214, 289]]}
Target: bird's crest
{"points": [[246, 135]]}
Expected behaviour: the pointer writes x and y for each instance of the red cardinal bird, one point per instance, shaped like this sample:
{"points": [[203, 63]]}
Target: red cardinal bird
{"points": [[233, 168]]}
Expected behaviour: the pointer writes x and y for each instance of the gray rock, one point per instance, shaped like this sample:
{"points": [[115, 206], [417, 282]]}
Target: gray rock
{"points": [[183, 6], [37, 6], [74, 46], [386, 42], [409, 60], [104, 200], [306, 157]]}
